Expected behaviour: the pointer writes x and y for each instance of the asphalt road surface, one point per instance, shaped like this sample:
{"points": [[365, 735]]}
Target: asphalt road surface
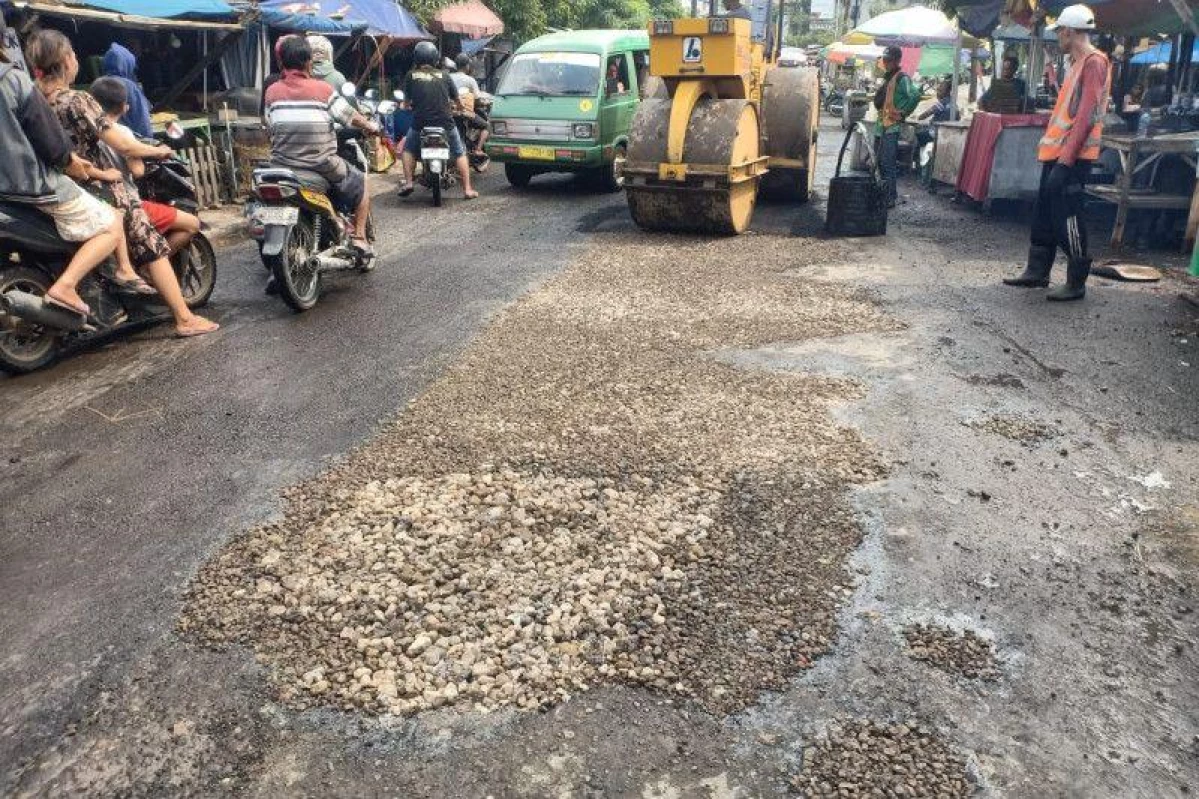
{"points": [[1041, 491]]}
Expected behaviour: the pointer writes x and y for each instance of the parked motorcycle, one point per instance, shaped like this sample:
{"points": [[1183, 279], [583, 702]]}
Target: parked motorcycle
{"points": [[301, 235]]}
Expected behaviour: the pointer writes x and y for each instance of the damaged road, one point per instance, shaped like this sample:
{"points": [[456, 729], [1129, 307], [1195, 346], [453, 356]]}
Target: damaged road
{"points": [[742, 517]]}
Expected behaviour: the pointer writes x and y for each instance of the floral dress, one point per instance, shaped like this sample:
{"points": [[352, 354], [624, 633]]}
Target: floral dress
{"points": [[84, 120]]}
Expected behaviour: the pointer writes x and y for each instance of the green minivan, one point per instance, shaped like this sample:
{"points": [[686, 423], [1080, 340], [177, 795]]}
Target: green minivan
{"points": [[564, 104]]}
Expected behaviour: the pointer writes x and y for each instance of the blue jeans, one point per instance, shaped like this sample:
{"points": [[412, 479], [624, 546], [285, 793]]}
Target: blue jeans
{"points": [[457, 148], [888, 163]]}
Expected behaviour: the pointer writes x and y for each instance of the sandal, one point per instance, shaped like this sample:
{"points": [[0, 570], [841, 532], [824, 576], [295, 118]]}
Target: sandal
{"points": [[134, 285], [82, 308], [201, 327], [470, 195], [406, 189]]}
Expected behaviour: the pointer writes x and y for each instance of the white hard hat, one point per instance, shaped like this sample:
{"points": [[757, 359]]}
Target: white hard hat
{"points": [[1078, 17]]}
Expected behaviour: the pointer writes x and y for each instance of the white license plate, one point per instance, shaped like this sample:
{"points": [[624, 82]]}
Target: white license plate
{"points": [[436, 152], [277, 214]]}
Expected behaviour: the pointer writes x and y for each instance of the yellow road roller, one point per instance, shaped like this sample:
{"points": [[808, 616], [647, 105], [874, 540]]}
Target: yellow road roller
{"points": [[724, 124]]}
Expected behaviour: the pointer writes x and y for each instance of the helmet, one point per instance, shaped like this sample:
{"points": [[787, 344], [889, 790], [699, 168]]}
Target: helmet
{"points": [[448, 65], [1078, 17], [425, 54], [322, 48], [463, 61]]}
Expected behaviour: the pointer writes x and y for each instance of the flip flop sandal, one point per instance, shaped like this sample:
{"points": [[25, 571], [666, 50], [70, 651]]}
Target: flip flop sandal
{"points": [[197, 331], [472, 196], [407, 189], [83, 309], [135, 286]]}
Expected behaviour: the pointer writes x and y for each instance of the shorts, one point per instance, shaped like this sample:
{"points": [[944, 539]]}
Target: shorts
{"points": [[348, 192], [80, 219], [161, 216], [412, 141]]}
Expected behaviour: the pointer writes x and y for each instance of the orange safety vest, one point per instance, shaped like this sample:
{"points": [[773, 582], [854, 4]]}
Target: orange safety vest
{"points": [[890, 115], [1062, 121]]}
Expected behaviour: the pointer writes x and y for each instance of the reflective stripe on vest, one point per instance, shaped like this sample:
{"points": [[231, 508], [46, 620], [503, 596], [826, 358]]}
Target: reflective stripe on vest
{"points": [[891, 115], [1062, 121]]}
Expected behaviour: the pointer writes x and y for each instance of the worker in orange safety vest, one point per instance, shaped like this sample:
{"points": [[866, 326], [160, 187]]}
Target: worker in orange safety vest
{"points": [[1067, 152]]}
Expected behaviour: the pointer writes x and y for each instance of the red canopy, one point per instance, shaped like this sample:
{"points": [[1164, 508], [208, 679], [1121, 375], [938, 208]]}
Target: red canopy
{"points": [[470, 18]]}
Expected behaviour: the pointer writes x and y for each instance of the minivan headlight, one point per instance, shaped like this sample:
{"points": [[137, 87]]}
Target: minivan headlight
{"points": [[582, 130], [499, 127]]}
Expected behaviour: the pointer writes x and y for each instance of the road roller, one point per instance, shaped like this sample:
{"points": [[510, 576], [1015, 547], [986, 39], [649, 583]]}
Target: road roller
{"points": [[725, 124]]}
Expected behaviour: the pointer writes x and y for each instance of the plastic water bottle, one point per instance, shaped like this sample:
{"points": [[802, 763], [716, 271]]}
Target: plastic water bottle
{"points": [[1143, 125]]}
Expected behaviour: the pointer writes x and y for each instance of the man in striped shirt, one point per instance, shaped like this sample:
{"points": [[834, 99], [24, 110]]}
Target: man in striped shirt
{"points": [[301, 111]]}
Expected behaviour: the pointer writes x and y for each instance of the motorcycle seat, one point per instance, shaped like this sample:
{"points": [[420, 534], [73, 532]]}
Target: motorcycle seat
{"points": [[32, 228], [306, 178]]}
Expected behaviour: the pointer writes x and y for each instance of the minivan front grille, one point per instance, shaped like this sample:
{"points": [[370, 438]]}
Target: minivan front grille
{"points": [[538, 129]]}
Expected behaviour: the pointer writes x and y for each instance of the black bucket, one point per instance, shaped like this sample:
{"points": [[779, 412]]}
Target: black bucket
{"points": [[857, 204]]}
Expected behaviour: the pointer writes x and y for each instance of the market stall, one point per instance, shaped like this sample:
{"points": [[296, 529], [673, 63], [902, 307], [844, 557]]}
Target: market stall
{"points": [[995, 162], [1140, 154]]}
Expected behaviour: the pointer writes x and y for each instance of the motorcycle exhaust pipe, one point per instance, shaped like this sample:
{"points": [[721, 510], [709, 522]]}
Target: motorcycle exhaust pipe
{"points": [[34, 309]]}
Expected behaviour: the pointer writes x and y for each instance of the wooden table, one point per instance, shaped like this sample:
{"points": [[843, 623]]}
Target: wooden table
{"points": [[1138, 153]]}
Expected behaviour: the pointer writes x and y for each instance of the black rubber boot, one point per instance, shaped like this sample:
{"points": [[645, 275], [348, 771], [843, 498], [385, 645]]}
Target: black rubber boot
{"points": [[1076, 283], [1036, 274]]}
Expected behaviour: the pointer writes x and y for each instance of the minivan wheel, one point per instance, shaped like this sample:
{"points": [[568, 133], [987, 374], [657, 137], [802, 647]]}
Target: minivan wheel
{"points": [[518, 175], [611, 175]]}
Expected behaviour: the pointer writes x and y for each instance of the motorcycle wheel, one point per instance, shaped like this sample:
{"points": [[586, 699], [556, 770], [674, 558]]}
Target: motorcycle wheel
{"points": [[196, 269], [436, 185], [25, 347], [298, 281]]}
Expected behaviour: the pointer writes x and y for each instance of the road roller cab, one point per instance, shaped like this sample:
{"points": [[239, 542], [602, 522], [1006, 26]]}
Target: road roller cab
{"points": [[564, 104]]}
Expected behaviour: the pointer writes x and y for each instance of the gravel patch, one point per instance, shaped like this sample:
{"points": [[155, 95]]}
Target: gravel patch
{"points": [[1017, 428], [869, 758], [586, 496], [966, 654]]}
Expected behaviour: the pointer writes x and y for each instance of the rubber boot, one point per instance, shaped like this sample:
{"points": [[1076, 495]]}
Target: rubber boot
{"points": [[1036, 274], [1076, 282]]}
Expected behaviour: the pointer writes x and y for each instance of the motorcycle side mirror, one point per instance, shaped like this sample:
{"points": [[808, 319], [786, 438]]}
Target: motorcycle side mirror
{"points": [[399, 95], [371, 94], [386, 107], [349, 90]]}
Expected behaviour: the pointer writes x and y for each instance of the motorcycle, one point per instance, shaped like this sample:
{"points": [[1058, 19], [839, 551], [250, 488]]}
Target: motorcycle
{"points": [[168, 181], [301, 235], [471, 133], [33, 332]]}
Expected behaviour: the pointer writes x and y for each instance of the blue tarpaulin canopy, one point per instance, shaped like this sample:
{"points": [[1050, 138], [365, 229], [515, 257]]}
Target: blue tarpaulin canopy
{"points": [[166, 8], [381, 17], [1160, 54], [310, 17]]}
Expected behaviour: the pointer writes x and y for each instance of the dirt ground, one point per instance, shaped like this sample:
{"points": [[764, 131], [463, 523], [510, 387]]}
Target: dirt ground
{"points": [[938, 538]]}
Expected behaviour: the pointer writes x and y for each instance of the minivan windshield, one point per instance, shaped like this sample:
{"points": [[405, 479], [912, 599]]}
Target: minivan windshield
{"points": [[552, 75]]}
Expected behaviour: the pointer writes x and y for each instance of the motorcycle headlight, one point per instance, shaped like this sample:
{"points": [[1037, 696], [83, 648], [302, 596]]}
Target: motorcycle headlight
{"points": [[582, 130], [499, 127]]}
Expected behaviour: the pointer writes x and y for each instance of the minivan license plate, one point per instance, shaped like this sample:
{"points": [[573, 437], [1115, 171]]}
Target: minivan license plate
{"points": [[539, 153], [441, 153], [277, 214]]}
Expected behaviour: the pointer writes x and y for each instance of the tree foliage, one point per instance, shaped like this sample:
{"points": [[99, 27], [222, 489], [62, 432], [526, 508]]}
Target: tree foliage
{"points": [[526, 19]]}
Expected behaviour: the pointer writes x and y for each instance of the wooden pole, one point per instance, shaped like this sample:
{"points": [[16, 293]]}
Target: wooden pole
{"points": [[956, 82], [199, 68]]}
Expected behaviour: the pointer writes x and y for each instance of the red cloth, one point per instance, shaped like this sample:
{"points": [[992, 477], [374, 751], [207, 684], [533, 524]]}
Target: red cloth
{"points": [[161, 216], [910, 61], [297, 85], [974, 177]]}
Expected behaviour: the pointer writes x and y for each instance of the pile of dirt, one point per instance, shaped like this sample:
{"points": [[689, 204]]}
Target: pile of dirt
{"points": [[965, 654]]}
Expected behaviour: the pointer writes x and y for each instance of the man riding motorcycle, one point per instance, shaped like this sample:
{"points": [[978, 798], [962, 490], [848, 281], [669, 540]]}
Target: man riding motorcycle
{"points": [[301, 111], [463, 79], [432, 97]]}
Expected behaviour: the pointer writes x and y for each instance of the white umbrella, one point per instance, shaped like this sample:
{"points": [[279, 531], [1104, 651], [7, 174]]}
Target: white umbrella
{"points": [[913, 25]]}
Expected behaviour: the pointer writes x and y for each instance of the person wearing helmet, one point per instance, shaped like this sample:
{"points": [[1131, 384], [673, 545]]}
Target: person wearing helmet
{"points": [[895, 99], [1067, 151], [432, 97], [322, 62]]}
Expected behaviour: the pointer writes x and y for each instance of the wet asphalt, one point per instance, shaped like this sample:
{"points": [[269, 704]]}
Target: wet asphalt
{"points": [[123, 467]]}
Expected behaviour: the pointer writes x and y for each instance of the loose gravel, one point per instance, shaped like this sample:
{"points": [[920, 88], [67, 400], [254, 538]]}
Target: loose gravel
{"points": [[1029, 432], [869, 758], [965, 654], [586, 496]]}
